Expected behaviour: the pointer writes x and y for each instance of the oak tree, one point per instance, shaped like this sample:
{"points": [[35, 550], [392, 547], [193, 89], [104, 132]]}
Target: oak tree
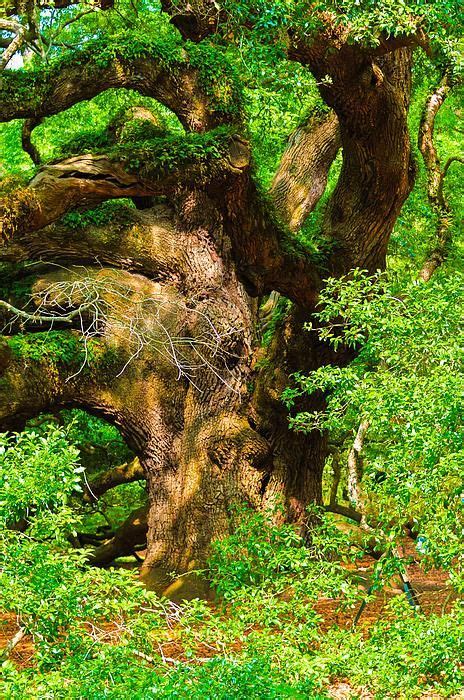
{"points": [[152, 318]]}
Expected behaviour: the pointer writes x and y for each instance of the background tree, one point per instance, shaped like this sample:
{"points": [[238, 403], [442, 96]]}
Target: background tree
{"points": [[153, 305]]}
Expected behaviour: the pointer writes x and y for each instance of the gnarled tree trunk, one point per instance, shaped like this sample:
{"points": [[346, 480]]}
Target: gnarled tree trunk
{"points": [[173, 356]]}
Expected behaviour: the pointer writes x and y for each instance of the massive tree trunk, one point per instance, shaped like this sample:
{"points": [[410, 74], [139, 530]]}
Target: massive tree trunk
{"points": [[166, 343]]}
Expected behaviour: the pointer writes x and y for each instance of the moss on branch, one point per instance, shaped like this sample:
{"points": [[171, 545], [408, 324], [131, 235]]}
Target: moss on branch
{"points": [[155, 66], [159, 157], [65, 348]]}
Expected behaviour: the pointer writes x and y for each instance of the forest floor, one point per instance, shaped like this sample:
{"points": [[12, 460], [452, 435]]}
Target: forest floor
{"points": [[430, 587]]}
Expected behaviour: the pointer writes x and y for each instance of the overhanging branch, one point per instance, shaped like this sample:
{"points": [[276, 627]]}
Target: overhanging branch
{"points": [[90, 179], [174, 82]]}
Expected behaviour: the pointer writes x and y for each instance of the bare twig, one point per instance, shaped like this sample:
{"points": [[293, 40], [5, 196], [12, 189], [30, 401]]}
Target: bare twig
{"points": [[159, 324]]}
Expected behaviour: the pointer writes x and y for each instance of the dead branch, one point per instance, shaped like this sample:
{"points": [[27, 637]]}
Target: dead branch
{"points": [[13, 642]]}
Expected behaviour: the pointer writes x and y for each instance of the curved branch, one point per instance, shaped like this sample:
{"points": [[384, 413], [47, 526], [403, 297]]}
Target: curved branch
{"points": [[90, 179], [175, 82], [371, 100], [29, 387], [15, 7], [58, 188], [436, 178], [26, 139], [15, 44], [144, 241], [130, 534]]}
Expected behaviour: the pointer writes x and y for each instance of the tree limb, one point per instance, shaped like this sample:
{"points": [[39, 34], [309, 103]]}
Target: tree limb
{"points": [[346, 511], [26, 94], [370, 98], [145, 241], [13, 642], [436, 178], [43, 318], [26, 139], [133, 532], [15, 44], [123, 474], [90, 179], [17, 7], [355, 474], [301, 178]]}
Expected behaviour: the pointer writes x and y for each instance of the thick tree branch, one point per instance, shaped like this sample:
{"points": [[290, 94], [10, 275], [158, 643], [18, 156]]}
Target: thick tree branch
{"points": [[123, 474], [371, 99], [145, 241], [26, 139], [268, 257], [89, 179], [18, 7], [302, 175], [58, 188], [177, 84], [133, 532]]}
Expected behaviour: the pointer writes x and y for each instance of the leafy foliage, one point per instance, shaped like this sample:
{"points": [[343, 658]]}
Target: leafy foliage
{"points": [[407, 382]]}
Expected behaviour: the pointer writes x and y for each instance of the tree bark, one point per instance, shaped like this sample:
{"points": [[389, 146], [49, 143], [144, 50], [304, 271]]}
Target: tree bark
{"points": [[172, 355], [302, 175], [436, 179], [123, 474]]}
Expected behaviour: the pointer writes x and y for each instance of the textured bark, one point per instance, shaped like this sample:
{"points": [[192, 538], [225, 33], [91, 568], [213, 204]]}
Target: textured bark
{"points": [[86, 180], [15, 43], [58, 188], [370, 96], [145, 241], [267, 257], [302, 176], [212, 432], [30, 95]]}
